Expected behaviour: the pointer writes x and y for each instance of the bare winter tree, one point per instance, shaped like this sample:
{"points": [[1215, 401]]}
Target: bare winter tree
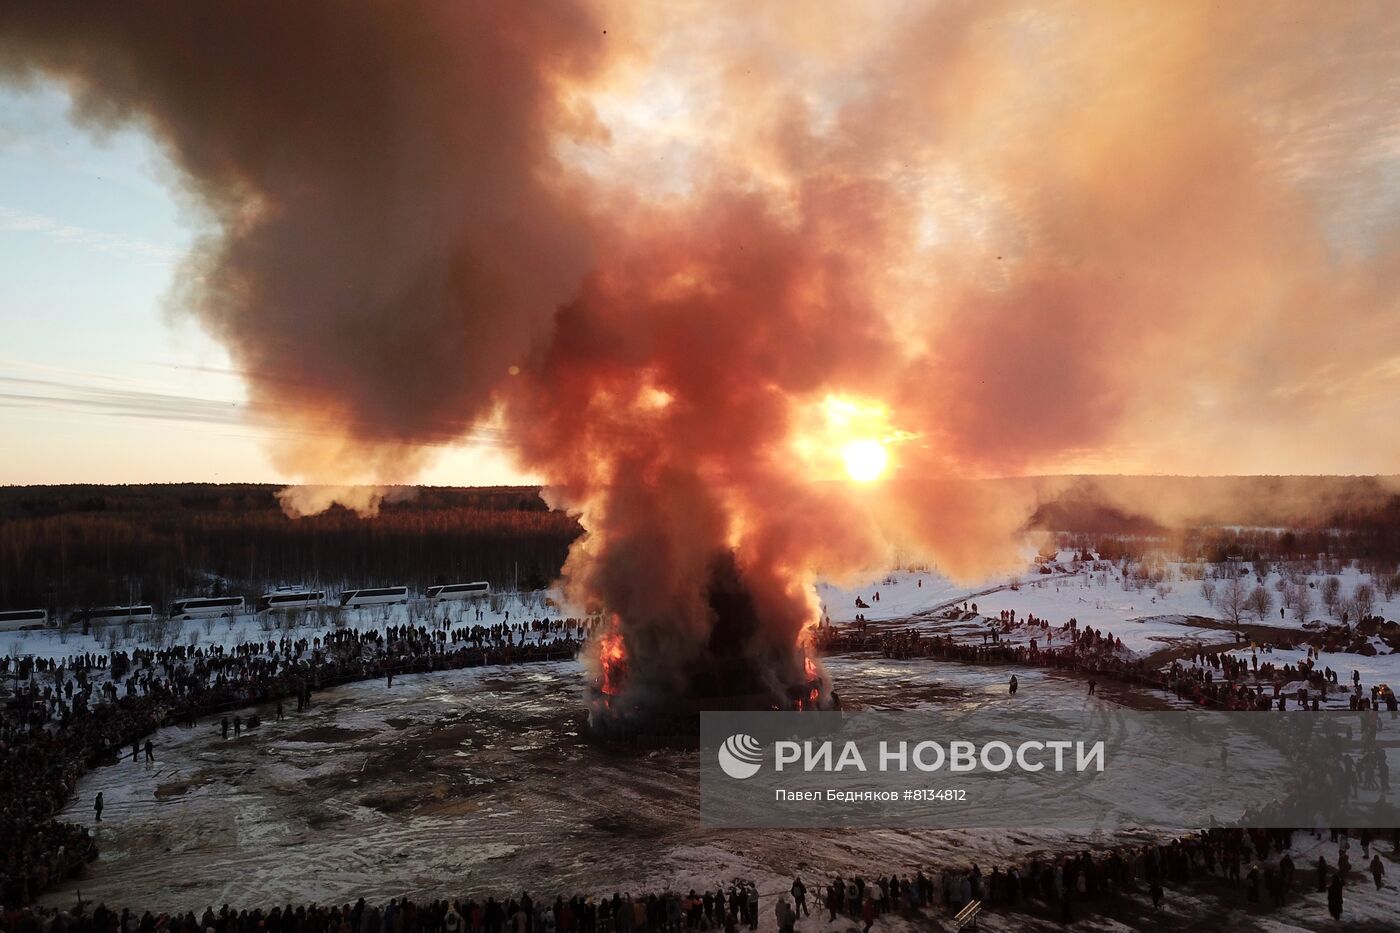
{"points": [[1232, 600], [1302, 602], [1390, 584], [1261, 602], [1364, 598], [1331, 594]]}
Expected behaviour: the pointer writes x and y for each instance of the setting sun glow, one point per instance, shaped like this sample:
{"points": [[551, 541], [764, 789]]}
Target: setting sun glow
{"points": [[848, 438], [865, 460]]}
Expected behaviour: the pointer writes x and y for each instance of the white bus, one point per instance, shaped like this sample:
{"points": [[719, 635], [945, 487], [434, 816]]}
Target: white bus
{"points": [[352, 599], [13, 620], [106, 614], [286, 598], [198, 607], [459, 590]]}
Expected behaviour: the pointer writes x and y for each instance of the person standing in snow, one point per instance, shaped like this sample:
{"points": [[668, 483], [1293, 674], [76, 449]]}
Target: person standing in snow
{"points": [[1334, 897], [97, 807], [784, 914], [867, 913], [799, 898], [1377, 869]]}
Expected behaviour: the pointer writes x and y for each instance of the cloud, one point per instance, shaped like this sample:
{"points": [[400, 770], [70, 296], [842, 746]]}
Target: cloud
{"points": [[118, 245]]}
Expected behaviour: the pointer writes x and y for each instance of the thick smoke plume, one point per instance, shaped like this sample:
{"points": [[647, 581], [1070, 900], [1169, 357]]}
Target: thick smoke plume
{"points": [[689, 253], [387, 226]]}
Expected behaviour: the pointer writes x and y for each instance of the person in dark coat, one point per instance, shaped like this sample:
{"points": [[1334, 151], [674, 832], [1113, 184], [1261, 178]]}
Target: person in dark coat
{"points": [[1334, 897]]}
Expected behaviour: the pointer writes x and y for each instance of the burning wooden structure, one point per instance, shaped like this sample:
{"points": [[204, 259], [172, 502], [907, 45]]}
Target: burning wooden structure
{"points": [[735, 670]]}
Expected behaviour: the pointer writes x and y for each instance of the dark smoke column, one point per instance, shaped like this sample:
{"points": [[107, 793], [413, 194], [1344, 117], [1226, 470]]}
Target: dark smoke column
{"points": [[386, 230], [662, 411]]}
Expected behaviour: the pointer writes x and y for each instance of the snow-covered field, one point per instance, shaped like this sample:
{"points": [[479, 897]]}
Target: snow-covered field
{"points": [[1094, 598], [1100, 599], [480, 781], [1146, 620], [250, 628]]}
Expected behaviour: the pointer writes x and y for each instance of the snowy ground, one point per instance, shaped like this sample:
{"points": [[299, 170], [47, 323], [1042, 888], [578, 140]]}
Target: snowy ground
{"points": [[480, 781], [1380, 669], [248, 628], [1147, 621], [1218, 906], [1094, 598]]}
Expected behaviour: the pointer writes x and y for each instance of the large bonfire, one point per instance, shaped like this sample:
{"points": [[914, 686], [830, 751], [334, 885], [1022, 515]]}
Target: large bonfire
{"points": [[725, 673]]}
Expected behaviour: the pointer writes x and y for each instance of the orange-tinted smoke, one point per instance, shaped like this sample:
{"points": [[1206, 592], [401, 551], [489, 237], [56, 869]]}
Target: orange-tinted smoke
{"points": [[1130, 237], [1045, 236]]}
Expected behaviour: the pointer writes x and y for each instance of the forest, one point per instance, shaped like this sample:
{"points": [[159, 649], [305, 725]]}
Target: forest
{"points": [[71, 547], [68, 547]]}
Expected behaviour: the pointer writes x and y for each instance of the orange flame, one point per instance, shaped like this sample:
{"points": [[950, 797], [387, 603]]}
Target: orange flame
{"points": [[612, 655]]}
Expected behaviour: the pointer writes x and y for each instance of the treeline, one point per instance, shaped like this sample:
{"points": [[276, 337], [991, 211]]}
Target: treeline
{"points": [[1250, 545], [66, 547], [1225, 518]]}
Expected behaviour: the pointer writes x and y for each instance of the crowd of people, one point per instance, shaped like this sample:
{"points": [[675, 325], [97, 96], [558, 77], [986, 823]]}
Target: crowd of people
{"points": [[1255, 870], [1224, 681], [1257, 865], [1220, 679], [64, 716]]}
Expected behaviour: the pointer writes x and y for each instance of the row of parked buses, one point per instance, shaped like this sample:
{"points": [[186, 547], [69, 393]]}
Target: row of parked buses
{"points": [[282, 599]]}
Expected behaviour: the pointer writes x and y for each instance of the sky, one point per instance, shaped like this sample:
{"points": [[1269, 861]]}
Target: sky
{"points": [[1154, 239], [102, 378]]}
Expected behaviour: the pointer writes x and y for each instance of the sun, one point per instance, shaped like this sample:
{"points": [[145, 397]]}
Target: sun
{"points": [[865, 460]]}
